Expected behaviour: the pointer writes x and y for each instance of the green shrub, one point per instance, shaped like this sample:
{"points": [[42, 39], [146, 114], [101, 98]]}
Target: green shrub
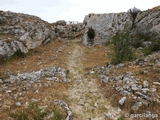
{"points": [[91, 34], [155, 46], [121, 117], [57, 115], [123, 51], [19, 53]]}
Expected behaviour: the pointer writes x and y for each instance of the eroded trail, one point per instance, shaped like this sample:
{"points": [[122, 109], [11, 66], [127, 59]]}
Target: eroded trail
{"points": [[84, 96]]}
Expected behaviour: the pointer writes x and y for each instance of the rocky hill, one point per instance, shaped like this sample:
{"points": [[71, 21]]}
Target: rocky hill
{"points": [[61, 78], [106, 25], [25, 32]]}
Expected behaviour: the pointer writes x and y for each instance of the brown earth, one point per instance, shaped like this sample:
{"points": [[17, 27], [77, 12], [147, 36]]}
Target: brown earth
{"points": [[87, 97]]}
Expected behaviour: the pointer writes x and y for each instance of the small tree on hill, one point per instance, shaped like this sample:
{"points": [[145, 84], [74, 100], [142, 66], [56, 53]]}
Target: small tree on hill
{"points": [[133, 11]]}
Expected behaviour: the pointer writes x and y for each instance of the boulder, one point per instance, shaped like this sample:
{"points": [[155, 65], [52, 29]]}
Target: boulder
{"points": [[122, 100], [61, 22]]}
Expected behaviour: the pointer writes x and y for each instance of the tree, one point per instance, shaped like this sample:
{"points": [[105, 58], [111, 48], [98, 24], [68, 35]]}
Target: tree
{"points": [[133, 11]]}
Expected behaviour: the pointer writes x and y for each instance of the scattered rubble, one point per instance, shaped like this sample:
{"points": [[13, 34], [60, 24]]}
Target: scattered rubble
{"points": [[141, 92]]}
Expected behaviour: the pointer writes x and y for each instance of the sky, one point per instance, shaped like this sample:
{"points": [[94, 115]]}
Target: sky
{"points": [[73, 10]]}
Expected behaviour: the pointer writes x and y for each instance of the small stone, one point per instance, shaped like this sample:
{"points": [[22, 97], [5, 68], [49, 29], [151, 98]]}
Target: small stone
{"points": [[145, 83], [26, 105], [103, 78], [92, 72], [122, 100], [134, 97], [144, 96], [36, 91], [134, 87], [8, 91], [18, 104], [95, 104], [124, 92], [93, 91], [145, 90], [119, 110], [136, 106], [156, 83], [1, 81], [39, 58], [34, 100], [52, 78], [43, 107], [108, 114], [140, 86], [45, 84], [153, 89]]}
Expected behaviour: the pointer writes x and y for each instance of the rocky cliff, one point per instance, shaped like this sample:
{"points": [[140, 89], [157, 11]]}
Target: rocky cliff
{"points": [[106, 25], [25, 32]]}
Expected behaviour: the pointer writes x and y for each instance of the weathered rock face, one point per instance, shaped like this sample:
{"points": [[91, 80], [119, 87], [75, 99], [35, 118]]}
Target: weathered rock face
{"points": [[148, 20], [29, 30], [106, 25], [22, 31], [8, 49], [25, 32], [69, 31]]}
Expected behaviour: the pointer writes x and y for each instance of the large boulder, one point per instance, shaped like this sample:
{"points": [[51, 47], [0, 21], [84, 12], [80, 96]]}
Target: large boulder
{"points": [[7, 49]]}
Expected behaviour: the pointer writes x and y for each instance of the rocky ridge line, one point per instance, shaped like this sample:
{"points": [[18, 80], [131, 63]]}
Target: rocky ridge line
{"points": [[25, 32]]}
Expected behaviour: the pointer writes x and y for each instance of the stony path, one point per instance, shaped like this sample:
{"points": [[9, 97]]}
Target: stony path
{"points": [[84, 96]]}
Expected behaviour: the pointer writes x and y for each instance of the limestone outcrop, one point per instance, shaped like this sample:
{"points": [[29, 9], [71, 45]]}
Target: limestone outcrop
{"points": [[106, 25], [22, 32], [25, 32]]}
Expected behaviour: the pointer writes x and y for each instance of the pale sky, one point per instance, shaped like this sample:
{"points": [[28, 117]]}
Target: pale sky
{"points": [[73, 10]]}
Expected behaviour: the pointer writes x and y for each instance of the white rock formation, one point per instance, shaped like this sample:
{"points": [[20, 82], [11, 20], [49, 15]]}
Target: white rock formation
{"points": [[106, 25]]}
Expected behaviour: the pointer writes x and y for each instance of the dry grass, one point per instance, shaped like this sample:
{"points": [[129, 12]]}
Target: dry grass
{"points": [[8, 37], [139, 72], [51, 55], [47, 56]]}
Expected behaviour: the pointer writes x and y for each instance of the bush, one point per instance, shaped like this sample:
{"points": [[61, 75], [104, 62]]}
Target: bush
{"points": [[91, 34], [19, 53], [123, 51]]}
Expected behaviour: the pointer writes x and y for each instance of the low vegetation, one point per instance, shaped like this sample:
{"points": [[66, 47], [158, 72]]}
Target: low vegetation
{"points": [[123, 51], [33, 112], [127, 42], [18, 54]]}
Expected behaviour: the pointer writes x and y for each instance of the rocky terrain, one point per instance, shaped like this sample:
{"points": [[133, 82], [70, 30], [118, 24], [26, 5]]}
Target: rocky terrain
{"points": [[25, 32], [47, 73], [106, 25]]}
